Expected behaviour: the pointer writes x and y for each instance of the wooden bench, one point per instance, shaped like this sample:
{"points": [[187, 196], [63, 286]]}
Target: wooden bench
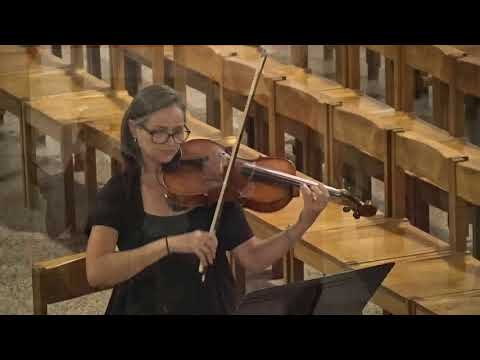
{"points": [[438, 276], [440, 63], [59, 280], [392, 56], [467, 180], [18, 87], [434, 163], [306, 120], [16, 59], [60, 117], [468, 93], [457, 303]]}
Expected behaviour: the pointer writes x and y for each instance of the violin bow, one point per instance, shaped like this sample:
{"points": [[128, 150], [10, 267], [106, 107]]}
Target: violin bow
{"points": [[233, 157]]}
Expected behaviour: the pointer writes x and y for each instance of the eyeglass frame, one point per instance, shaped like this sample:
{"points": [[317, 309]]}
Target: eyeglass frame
{"points": [[170, 135]]}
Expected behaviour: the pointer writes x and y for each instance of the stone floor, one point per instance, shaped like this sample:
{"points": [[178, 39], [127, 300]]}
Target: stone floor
{"points": [[30, 236]]}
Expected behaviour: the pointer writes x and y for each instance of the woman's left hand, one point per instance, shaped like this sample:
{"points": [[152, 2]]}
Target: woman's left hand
{"points": [[315, 199]]}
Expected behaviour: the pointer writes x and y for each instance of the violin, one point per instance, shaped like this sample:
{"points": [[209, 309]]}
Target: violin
{"points": [[265, 184]]}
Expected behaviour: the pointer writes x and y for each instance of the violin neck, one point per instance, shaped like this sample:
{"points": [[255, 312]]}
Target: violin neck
{"points": [[288, 179]]}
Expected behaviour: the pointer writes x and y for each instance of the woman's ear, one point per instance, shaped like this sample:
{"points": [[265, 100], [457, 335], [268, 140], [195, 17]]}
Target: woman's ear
{"points": [[133, 128]]}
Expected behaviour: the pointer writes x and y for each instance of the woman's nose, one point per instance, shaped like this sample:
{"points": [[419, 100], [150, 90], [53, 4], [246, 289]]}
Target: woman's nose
{"points": [[171, 141]]}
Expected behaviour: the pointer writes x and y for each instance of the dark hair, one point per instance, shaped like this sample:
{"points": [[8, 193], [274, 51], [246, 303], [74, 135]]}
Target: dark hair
{"points": [[148, 100]]}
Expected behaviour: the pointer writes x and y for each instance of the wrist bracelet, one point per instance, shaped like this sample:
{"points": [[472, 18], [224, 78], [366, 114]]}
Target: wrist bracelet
{"points": [[166, 242], [287, 233]]}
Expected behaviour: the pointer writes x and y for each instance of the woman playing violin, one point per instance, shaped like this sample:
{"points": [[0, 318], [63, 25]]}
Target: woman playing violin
{"points": [[160, 246]]}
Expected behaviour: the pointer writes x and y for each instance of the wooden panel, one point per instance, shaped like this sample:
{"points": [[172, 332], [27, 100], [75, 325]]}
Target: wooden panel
{"points": [[94, 60], [310, 103], [426, 159], [140, 53], [76, 55], [457, 210], [341, 66], [117, 68], [468, 180], [434, 277], [299, 55], [353, 63], [361, 131], [104, 134], [316, 259], [62, 279], [9, 103], [40, 60], [468, 75], [33, 85], [158, 64], [389, 51], [238, 77], [459, 303], [437, 60], [80, 106], [200, 58], [391, 239]]}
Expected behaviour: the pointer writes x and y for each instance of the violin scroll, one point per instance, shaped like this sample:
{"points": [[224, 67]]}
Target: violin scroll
{"points": [[358, 207]]}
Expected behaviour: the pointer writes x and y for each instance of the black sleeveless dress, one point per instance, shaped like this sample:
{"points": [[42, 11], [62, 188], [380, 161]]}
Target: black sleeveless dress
{"points": [[173, 284]]}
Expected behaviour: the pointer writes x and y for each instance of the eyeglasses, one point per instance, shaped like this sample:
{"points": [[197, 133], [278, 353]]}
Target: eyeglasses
{"points": [[178, 135]]}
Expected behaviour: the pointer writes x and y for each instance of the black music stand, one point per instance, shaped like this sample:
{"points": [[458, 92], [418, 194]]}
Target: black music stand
{"points": [[345, 293]]}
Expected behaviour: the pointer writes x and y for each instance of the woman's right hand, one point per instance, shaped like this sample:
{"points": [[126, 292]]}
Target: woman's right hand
{"points": [[198, 242]]}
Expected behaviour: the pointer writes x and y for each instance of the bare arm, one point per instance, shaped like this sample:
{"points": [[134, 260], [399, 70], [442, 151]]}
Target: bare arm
{"points": [[257, 254], [107, 267]]}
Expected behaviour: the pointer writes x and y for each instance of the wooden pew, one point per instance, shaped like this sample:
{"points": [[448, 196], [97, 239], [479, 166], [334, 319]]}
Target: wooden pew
{"points": [[60, 117], [298, 56], [349, 100], [363, 142], [440, 62], [306, 121], [467, 180], [18, 86], [59, 280], [206, 63], [468, 85], [391, 54], [237, 76], [436, 164], [16, 59], [436, 277], [456, 303], [198, 72]]}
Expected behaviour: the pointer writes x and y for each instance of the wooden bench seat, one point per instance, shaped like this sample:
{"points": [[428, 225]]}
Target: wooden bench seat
{"points": [[26, 60], [457, 303], [59, 280], [357, 245], [396, 241], [436, 276], [20, 87]]}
